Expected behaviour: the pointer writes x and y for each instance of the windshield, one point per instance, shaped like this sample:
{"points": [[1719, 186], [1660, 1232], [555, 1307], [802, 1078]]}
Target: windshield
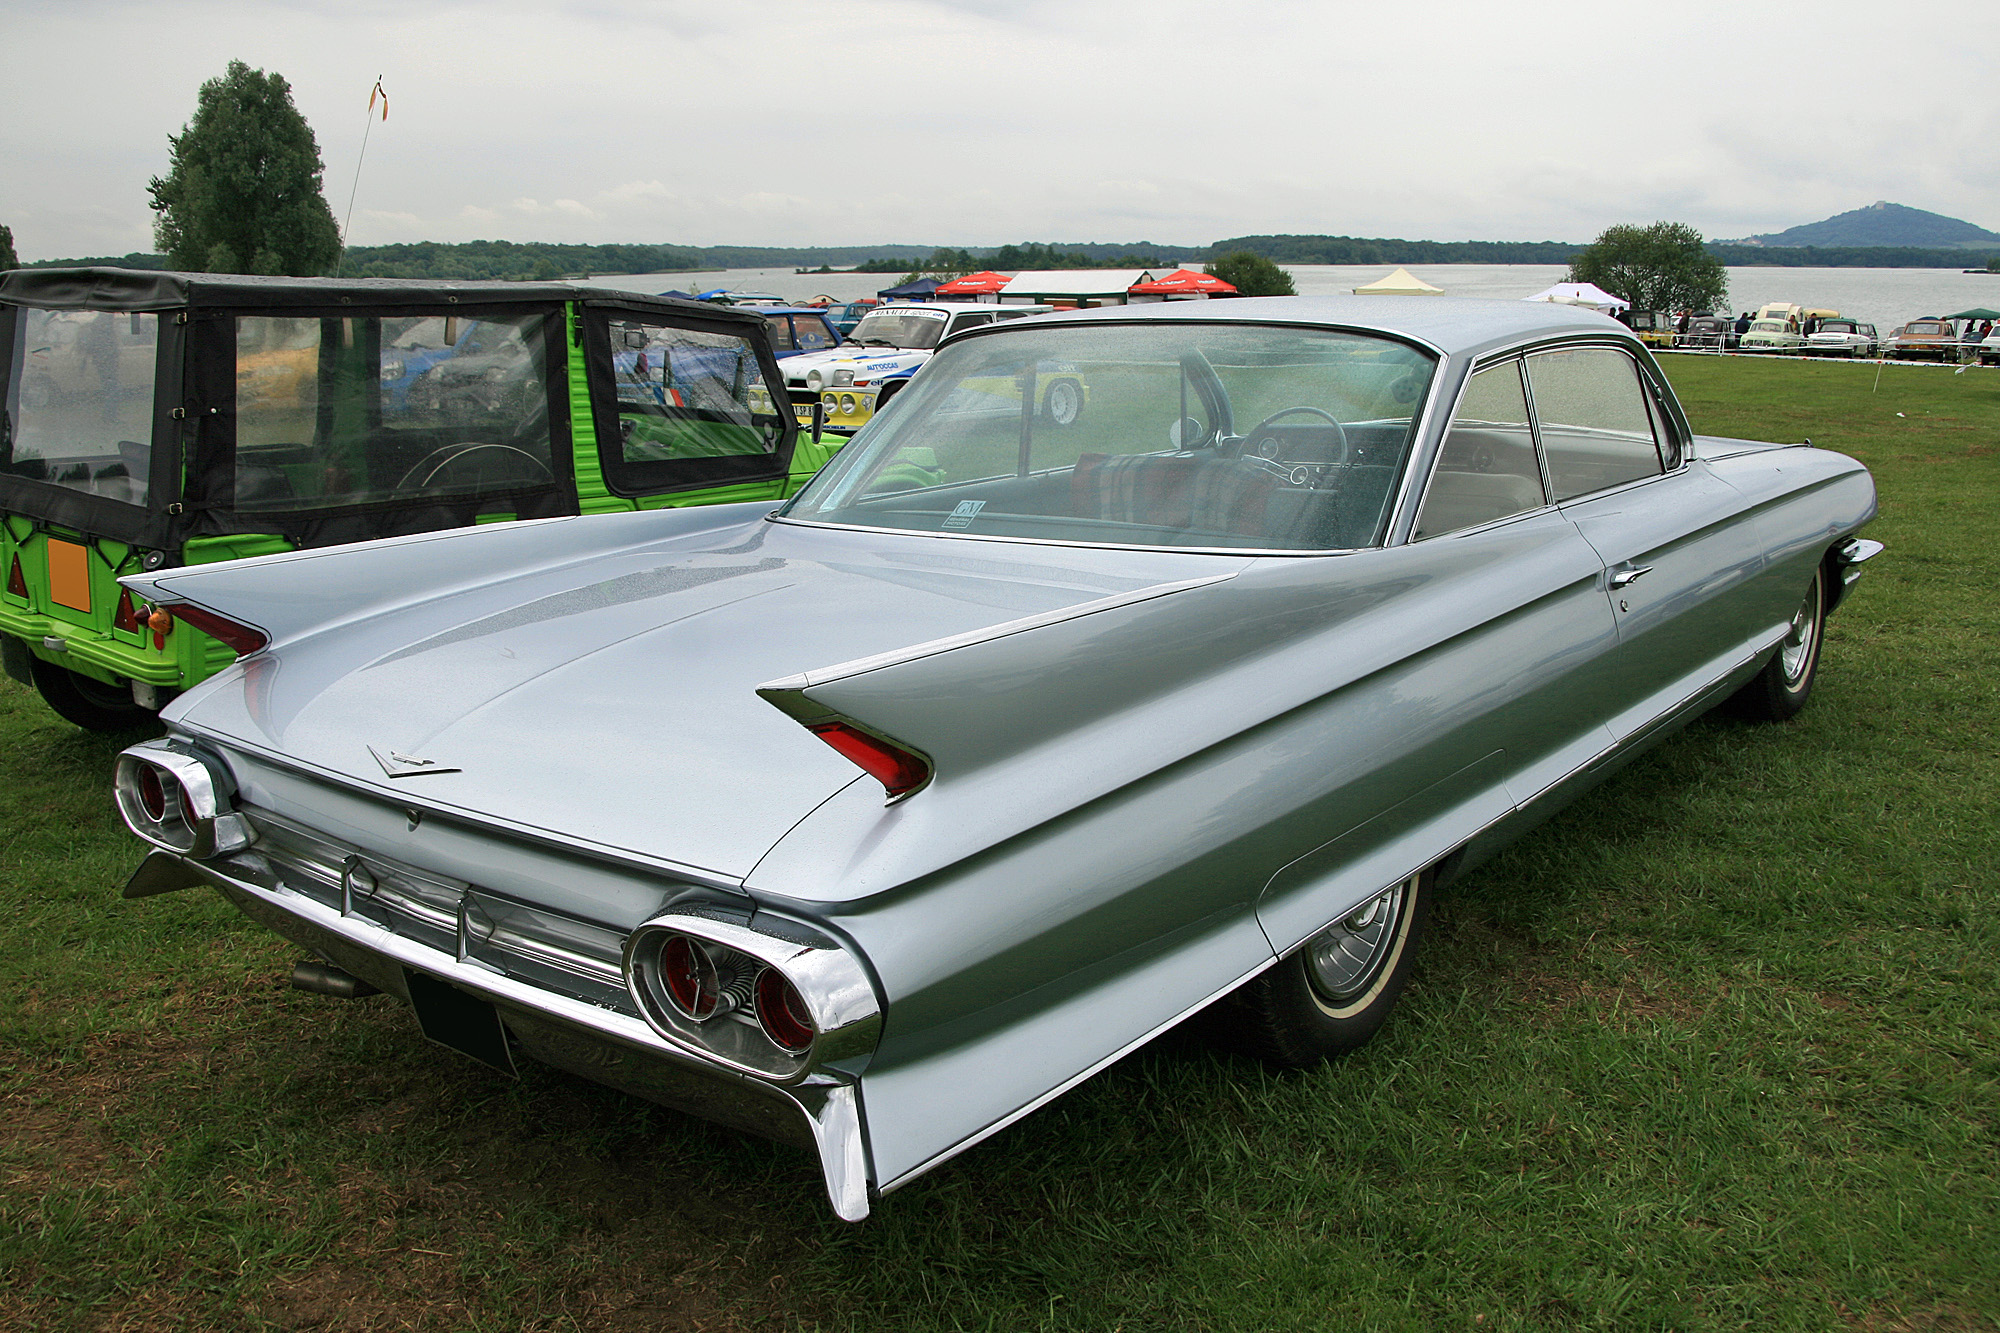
{"points": [[1201, 435], [1767, 326], [900, 328]]}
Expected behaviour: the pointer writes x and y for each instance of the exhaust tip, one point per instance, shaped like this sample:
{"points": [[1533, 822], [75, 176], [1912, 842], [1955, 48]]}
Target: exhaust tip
{"points": [[326, 979]]}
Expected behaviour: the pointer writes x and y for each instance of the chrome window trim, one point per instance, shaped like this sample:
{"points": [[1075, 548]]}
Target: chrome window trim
{"points": [[1247, 552]]}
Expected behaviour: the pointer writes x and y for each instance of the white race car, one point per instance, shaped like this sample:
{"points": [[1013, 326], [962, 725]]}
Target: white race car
{"points": [[854, 380]]}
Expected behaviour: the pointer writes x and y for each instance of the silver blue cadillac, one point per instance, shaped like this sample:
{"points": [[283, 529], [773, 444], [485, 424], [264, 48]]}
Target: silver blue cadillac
{"points": [[874, 820]]}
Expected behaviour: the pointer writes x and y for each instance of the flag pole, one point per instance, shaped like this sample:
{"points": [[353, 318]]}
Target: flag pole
{"points": [[367, 124]]}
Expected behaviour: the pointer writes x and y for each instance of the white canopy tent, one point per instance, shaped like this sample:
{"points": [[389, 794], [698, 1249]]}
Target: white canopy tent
{"points": [[1400, 283], [1082, 287], [1581, 293]]}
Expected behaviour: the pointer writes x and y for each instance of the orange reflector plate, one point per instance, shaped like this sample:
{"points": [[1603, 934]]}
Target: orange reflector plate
{"points": [[69, 575]]}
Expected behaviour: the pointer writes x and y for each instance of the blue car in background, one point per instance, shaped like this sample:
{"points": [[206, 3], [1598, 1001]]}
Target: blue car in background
{"points": [[796, 329]]}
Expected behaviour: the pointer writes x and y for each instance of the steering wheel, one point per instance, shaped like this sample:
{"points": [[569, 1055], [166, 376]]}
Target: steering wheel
{"points": [[1252, 444], [447, 459]]}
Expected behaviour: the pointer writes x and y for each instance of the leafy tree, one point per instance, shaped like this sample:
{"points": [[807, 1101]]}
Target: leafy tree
{"points": [[242, 189], [1661, 267], [1251, 274], [8, 259]]}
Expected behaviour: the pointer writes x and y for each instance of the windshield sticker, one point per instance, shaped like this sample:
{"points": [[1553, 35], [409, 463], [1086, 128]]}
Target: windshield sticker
{"points": [[962, 516]]}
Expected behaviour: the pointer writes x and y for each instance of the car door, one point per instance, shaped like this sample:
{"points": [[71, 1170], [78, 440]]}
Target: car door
{"points": [[1678, 545], [1503, 701]]}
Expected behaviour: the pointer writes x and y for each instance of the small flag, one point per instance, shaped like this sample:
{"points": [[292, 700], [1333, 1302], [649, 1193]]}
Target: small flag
{"points": [[376, 92]]}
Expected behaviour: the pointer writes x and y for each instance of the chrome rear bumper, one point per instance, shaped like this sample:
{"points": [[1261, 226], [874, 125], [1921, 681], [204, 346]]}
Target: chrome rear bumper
{"points": [[616, 1049]]}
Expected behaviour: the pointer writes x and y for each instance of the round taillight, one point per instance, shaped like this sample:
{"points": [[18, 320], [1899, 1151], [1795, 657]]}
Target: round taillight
{"points": [[690, 976], [152, 793], [781, 1010]]}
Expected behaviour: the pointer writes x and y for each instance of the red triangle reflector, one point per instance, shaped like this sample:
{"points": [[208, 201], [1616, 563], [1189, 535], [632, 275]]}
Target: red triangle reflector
{"points": [[17, 582], [898, 770], [125, 617]]}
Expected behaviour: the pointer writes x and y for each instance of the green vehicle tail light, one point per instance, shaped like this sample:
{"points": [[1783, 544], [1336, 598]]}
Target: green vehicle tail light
{"points": [[17, 582], [126, 617]]}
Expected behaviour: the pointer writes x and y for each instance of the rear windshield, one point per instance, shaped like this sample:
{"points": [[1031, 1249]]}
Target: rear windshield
{"points": [[1190, 435], [79, 400]]}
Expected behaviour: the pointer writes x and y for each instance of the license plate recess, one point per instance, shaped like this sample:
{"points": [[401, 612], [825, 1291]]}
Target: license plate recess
{"points": [[469, 1025]]}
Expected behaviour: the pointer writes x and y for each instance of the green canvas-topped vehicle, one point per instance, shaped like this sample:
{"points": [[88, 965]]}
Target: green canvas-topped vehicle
{"points": [[160, 419]]}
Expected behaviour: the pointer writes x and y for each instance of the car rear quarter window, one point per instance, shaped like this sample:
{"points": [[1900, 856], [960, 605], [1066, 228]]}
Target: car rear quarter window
{"points": [[1596, 427], [1486, 468]]}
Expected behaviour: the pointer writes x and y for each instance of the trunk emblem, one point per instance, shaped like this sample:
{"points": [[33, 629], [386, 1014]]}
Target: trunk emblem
{"points": [[407, 766]]}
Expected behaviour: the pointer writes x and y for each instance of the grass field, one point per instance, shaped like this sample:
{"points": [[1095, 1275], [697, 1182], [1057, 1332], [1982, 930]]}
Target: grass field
{"points": [[1717, 1049]]}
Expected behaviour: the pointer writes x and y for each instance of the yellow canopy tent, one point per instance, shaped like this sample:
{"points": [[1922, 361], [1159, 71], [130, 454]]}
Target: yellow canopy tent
{"points": [[1399, 283]]}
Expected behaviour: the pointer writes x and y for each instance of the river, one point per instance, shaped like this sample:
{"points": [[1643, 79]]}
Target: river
{"points": [[1884, 297]]}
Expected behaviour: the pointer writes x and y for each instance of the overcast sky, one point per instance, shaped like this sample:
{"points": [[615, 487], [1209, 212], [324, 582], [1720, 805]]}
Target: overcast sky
{"points": [[955, 122]]}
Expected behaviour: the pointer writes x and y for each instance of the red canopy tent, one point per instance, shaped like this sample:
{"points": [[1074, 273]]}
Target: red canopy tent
{"points": [[974, 284], [1185, 282]]}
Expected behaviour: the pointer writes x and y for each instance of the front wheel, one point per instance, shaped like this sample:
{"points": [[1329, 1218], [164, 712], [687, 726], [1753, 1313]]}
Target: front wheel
{"points": [[1780, 690], [88, 702], [1331, 994]]}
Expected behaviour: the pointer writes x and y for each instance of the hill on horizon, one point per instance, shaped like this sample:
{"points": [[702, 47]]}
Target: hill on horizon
{"points": [[1881, 223]]}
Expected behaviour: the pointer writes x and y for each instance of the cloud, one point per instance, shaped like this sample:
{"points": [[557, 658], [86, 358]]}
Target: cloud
{"points": [[977, 122]]}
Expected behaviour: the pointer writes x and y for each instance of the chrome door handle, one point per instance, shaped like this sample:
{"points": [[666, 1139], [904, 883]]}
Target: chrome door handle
{"points": [[1630, 575]]}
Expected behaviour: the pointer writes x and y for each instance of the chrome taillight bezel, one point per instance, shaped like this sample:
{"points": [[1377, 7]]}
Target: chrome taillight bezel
{"points": [[840, 1001], [197, 818]]}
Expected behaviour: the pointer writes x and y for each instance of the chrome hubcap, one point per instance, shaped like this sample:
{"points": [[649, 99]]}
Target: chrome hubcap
{"points": [[1344, 959], [1796, 654]]}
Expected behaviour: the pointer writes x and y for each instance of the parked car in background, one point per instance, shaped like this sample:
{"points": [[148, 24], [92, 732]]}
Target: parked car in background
{"points": [[1710, 333], [796, 329], [873, 821], [1772, 335], [1989, 350], [853, 381], [844, 316], [154, 420], [1655, 328], [1841, 336], [1923, 340]]}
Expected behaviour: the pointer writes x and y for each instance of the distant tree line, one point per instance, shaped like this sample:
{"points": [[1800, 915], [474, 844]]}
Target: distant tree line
{"points": [[8, 259], [1390, 250], [1844, 256], [1032, 256]]}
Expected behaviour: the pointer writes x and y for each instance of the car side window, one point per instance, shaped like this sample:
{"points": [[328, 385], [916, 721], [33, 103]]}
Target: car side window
{"points": [[970, 321], [1596, 428], [1486, 467], [811, 335]]}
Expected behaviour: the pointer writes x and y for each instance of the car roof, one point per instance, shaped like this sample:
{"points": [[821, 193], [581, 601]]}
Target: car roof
{"points": [[1455, 325], [153, 289]]}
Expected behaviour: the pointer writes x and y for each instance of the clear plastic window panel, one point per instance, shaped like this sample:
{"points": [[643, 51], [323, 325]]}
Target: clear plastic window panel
{"points": [[79, 400], [683, 393], [333, 412]]}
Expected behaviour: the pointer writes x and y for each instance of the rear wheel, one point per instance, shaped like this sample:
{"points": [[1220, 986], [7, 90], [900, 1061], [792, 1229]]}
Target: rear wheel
{"points": [[1330, 995], [89, 703], [1063, 403], [1780, 690]]}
